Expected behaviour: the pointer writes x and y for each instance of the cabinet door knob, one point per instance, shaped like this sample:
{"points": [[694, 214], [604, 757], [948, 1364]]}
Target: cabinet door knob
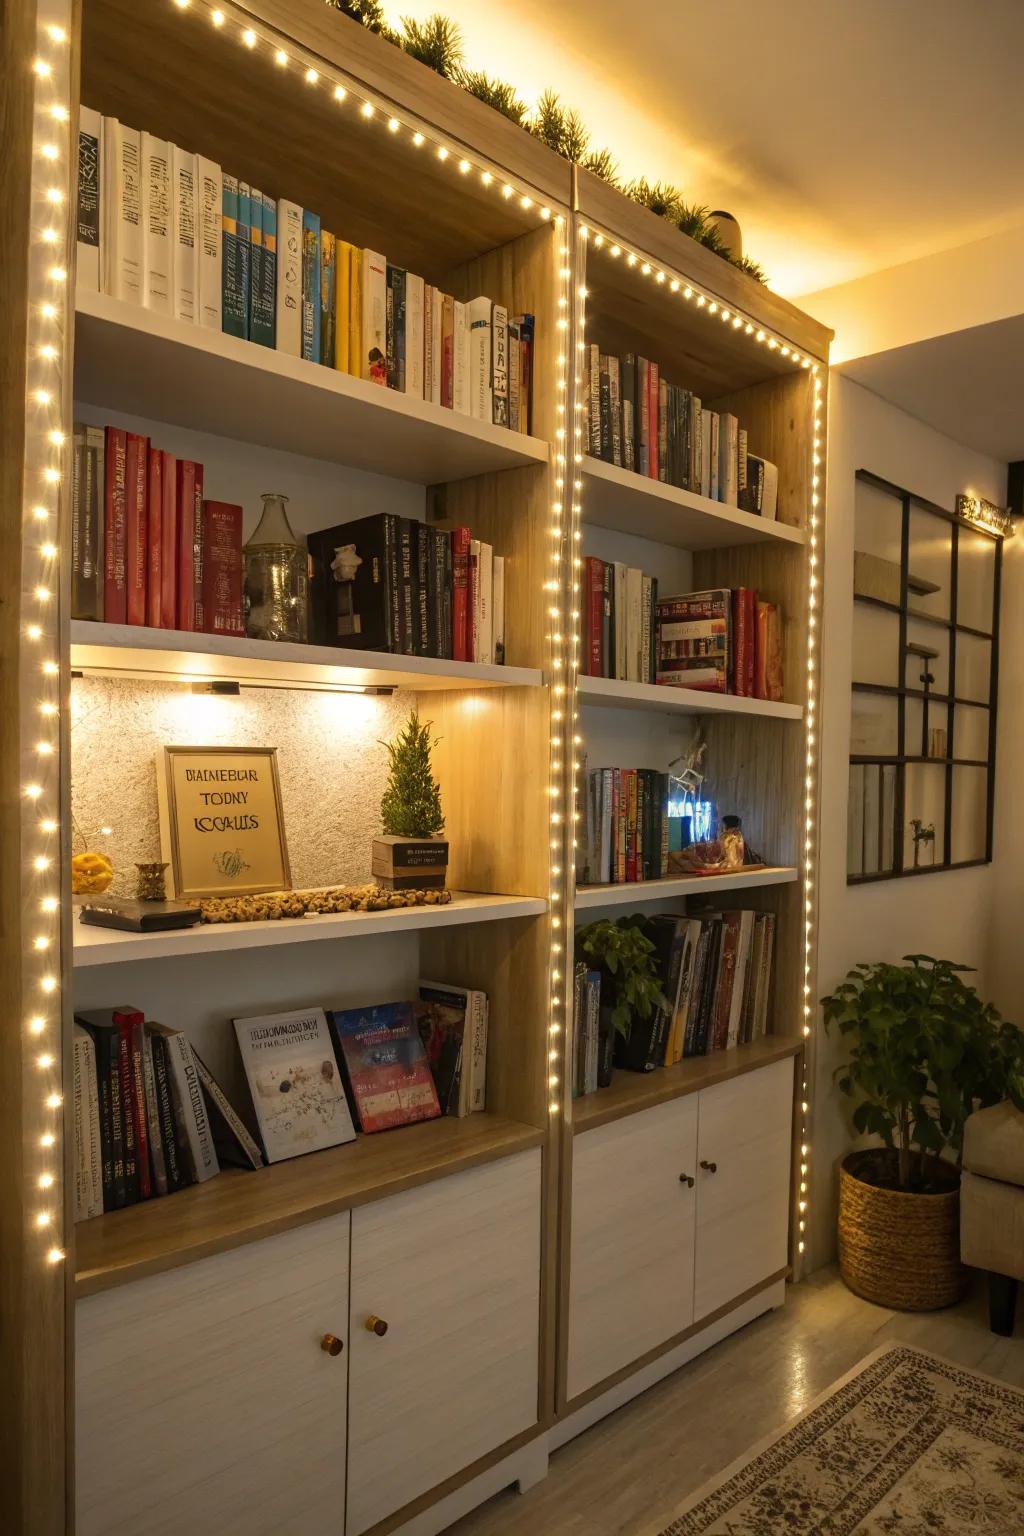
{"points": [[376, 1325], [685, 1178], [331, 1344], [709, 1167]]}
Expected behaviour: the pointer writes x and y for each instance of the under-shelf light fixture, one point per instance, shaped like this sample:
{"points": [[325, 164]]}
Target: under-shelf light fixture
{"points": [[711, 307]]}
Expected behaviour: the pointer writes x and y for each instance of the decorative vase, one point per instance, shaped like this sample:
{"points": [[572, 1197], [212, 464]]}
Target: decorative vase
{"points": [[896, 1248], [729, 232], [276, 577], [410, 863]]}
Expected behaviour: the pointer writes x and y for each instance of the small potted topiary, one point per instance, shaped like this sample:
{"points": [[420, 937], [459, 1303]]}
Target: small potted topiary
{"points": [[630, 987], [925, 1052], [411, 854]]}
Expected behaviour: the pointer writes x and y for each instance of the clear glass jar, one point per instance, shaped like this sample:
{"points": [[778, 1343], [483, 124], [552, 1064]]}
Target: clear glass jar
{"points": [[276, 577]]}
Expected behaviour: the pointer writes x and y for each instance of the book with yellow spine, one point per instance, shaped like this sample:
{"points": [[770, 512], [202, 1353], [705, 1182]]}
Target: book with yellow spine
{"points": [[343, 306], [355, 311]]}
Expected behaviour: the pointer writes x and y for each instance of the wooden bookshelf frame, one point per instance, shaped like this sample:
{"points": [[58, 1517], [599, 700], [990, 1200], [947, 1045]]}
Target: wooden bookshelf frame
{"points": [[531, 499]]}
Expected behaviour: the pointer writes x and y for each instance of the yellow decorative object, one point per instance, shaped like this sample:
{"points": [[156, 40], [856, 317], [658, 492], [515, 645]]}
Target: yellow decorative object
{"points": [[91, 873]]}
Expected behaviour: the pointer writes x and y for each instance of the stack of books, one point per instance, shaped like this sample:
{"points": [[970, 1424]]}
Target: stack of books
{"points": [[621, 613], [715, 973], [146, 546], [720, 641], [149, 1117], [167, 229], [388, 583], [625, 834], [639, 421]]}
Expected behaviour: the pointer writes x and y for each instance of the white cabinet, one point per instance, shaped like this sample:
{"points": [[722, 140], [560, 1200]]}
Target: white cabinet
{"points": [[633, 1213], [205, 1402], [453, 1271], [743, 1187]]}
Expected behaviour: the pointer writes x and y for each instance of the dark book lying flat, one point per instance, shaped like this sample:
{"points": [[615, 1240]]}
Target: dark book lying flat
{"points": [[139, 916]]}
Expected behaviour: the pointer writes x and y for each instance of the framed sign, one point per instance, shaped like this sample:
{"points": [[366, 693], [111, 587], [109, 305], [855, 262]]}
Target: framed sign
{"points": [[221, 826]]}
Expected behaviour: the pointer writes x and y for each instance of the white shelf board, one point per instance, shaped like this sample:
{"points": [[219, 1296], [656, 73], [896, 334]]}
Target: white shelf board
{"points": [[128, 650], [682, 885], [112, 946], [631, 503], [610, 693], [129, 359]]}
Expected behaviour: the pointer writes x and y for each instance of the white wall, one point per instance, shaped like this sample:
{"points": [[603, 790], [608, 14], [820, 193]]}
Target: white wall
{"points": [[947, 915]]}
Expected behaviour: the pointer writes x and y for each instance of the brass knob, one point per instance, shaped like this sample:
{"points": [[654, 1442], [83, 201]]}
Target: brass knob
{"points": [[376, 1325], [709, 1167], [684, 1178], [331, 1344]]}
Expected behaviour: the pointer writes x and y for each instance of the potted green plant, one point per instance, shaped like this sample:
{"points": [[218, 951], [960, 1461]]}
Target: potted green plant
{"points": [[924, 1052], [411, 853], [630, 987]]}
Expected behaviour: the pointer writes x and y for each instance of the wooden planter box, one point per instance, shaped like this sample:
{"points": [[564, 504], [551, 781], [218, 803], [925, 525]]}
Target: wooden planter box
{"points": [[410, 863]]}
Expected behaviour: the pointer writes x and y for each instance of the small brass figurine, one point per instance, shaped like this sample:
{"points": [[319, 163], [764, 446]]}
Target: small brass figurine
{"points": [[150, 882]]}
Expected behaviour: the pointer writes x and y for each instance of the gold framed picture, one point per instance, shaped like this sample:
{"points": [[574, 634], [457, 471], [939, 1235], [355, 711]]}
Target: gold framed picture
{"points": [[221, 823]]}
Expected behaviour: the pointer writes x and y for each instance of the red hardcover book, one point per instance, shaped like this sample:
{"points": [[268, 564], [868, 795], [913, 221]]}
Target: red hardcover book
{"points": [[594, 588], [131, 1027], [460, 594], [726, 977], [169, 543], [136, 542], [750, 663], [154, 534], [186, 499], [654, 417], [115, 594], [385, 1065], [222, 568], [447, 350], [198, 616]]}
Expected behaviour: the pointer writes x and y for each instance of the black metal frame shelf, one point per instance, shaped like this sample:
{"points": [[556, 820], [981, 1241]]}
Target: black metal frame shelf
{"points": [[948, 702]]}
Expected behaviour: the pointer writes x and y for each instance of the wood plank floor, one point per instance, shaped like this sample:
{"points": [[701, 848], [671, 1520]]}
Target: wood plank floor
{"points": [[629, 1473]]}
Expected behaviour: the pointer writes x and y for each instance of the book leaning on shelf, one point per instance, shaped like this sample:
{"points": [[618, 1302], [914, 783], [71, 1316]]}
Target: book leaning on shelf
{"points": [[637, 420], [173, 232]]}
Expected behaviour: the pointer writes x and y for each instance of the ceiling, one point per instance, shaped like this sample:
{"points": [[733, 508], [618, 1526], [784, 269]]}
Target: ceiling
{"points": [[845, 135], [968, 384]]}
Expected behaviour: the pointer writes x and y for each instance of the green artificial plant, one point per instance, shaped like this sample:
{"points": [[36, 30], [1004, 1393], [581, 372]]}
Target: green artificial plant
{"points": [[925, 1051], [623, 952], [411, 805]]}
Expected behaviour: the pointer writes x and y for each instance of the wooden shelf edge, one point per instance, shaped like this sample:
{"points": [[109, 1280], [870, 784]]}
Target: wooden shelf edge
{"points": [[238, 1207], [632, 1092], [679, 885], [614, 693]]}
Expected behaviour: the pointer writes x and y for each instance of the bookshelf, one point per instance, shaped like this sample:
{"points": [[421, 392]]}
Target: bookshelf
{"points": [[495, 213]]}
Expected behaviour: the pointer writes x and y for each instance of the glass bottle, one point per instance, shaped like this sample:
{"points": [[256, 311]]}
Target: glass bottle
{"points": [[276, 577]]}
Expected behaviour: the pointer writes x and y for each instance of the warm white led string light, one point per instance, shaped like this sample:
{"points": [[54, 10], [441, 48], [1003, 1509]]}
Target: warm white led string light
{"points": [[54, 172], [716, 310]]}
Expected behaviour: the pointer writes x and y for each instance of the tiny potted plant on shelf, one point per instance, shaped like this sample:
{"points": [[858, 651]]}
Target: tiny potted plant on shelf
{"points": [[630, 988], [411, 853], [924, 1052]]}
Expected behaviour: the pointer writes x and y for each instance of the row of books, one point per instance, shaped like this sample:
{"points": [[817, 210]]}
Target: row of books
{"points": [[621, 622], [146, 546], [715, 973], [150, 1118], [625, 826], [388, 583], [721, 641], [168, 229], [640, 421]]}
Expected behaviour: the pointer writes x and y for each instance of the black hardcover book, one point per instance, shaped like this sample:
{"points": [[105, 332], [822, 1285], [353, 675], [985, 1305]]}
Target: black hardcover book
{"points": [[644, 1049], [605, 412], [361, 613], [615, 408], [710, 989], [437, 542], [595, 400], [101, 1045], [677, 926], [108, 1040], [178, 1173], [139, 916], [627, 385], [425, 620], [395, 327], [235, 1144], [408, 599]]}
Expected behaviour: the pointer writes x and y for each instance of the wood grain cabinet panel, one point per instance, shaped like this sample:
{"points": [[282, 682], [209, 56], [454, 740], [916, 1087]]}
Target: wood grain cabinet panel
{"points": [[453, 1270], [745, 1132], [205, 1403], [633, 1214]]}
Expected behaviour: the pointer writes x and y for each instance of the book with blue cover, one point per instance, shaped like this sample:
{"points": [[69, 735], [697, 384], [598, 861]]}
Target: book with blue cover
{"points": [[310, 286], [236, 249], [385, 1064]]}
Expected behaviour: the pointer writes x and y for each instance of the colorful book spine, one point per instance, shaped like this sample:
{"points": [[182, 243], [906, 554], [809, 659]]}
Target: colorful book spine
{"points": [[395, 326], [169, 541], [310, 286], [115, 528], [288, 329], [342, 305], [261, 282], [154, 539], [209, 249], [222, 568], [355, 312], [328, 298], [235, 294], [461, 638], [499, 365]]}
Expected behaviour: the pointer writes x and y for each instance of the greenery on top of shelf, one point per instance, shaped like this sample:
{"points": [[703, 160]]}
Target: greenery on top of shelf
{"points": [[437, 43], [624, 954], [411, 804]]}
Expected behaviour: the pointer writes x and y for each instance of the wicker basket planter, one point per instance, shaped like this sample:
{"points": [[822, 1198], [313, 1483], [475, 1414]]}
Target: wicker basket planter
{"points": [[897, 1249]]}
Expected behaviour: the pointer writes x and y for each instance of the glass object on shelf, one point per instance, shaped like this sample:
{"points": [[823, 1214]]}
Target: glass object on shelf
{"points": [[276, 577]]}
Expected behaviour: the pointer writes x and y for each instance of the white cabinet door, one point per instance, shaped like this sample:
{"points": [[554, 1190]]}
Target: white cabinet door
{"points": [[631, 1275], [743, 1151], [205, 1403], [453, 1271]]}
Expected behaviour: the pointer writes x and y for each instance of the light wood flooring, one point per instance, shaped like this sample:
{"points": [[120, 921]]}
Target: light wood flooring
{"points": [[628, 1474]]}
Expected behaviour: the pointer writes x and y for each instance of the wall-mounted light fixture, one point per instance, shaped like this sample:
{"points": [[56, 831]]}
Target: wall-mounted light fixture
{"points": [[985, 515]]}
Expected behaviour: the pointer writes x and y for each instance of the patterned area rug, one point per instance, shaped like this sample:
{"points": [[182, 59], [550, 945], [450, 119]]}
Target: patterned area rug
{"points": [[906, 1444]]}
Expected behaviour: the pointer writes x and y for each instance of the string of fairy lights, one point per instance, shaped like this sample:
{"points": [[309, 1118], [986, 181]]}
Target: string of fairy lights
{"points": [[717, 312], [44, 470]]}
